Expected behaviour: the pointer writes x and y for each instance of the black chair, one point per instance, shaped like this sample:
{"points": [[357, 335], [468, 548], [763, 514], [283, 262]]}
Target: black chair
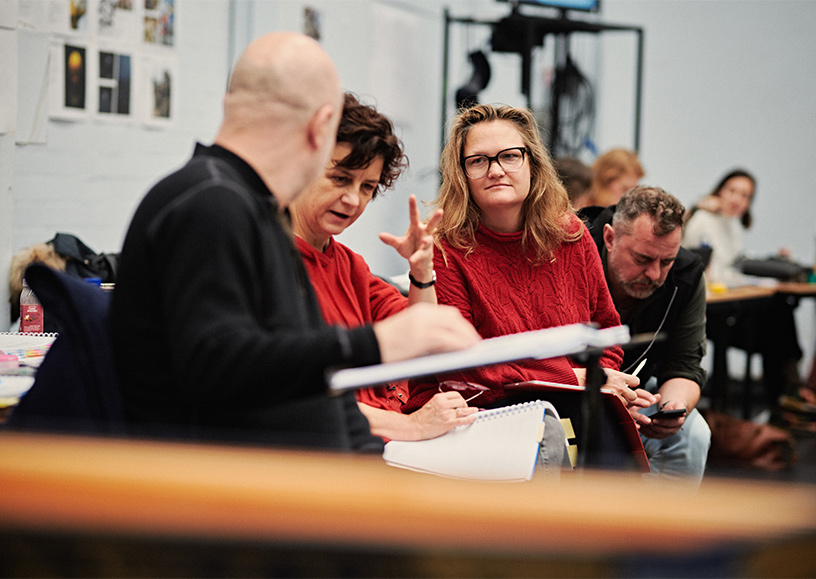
{"points": [[75, 389]]}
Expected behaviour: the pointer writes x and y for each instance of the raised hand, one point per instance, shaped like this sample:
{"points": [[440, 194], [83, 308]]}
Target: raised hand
{"points": [[416, 245]]}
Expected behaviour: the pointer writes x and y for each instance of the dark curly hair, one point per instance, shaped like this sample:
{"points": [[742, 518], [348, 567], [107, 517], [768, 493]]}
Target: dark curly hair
{"points": [[371, 135]]}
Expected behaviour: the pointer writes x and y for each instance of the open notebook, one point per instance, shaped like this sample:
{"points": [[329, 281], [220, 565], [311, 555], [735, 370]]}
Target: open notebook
{"points": [[501, 445]]}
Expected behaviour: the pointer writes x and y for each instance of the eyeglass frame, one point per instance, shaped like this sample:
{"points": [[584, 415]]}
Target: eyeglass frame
{"points": [[524, 152], [459, 386]]}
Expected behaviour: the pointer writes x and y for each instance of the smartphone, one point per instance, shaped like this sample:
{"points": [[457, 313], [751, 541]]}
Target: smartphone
{"points": [[673, 413]]}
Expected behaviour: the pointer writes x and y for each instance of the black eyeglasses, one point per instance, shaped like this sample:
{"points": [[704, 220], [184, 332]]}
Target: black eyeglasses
{"points": [[511, 160]]}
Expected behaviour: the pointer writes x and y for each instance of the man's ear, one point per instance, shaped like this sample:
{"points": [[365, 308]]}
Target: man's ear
{"points": [[608, 236], [320, 127]]}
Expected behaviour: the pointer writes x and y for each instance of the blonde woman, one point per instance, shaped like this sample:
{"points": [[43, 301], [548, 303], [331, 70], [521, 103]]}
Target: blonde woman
{"points": [[512, 256]]}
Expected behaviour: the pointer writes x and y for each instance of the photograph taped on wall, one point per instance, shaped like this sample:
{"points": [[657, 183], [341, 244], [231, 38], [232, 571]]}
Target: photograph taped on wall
{"points": [[114, 85], [159, 90], [69, 97], [159, 22], [68, 17], [118, 19]]}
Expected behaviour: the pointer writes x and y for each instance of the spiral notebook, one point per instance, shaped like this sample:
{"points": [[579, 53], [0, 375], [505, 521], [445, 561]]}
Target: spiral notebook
{"points": [[29, 348], [501, 445]]}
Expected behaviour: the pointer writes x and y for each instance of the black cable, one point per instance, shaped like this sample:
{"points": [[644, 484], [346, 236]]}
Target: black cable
{"points": [[576, 110]]}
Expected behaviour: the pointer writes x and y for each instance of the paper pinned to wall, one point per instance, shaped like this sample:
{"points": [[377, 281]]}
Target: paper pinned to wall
{"points": [[32, 84], [8, 88], [9, 13]]}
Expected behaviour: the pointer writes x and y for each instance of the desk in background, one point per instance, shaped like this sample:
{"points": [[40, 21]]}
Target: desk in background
{"points": [[723, 310]]}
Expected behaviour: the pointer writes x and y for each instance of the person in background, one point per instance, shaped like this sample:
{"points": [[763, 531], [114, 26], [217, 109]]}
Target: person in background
{"points": [[613, 174], [718, 222], [367, 159], [659, 287], [513, 257], [216, 331], [577, 180]]}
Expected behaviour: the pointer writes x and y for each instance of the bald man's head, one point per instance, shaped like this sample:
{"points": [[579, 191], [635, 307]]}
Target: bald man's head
{"points": [[284, 71], [282, 110]]}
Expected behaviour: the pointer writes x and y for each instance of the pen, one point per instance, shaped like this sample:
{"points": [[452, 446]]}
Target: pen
{"points": [[639, 367]]}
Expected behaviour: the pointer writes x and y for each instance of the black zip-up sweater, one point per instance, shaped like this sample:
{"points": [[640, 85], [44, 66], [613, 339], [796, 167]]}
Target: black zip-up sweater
{"points": [[216, 329]]}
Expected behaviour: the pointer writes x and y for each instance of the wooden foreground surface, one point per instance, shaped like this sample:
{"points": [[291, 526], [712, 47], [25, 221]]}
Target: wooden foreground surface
{"points": [[92, 485]]}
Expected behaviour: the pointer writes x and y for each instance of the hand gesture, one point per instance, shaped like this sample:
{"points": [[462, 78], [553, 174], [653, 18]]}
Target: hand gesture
{"points": [[417, 244]]}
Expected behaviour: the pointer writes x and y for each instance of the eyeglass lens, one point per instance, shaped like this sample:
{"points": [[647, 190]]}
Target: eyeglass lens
{"points": [[509, 159]]}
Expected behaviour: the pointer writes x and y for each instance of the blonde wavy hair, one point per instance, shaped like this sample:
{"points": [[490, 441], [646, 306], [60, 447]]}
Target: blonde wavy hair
{"points": [[548, 220]]}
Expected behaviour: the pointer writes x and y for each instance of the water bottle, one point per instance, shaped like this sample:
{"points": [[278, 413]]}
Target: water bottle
{"points": [[31, 311]]}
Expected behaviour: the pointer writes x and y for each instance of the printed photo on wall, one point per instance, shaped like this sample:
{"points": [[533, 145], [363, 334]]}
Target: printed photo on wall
{"points": [[159, 22], [79, 14], [75, 76], [67, 17], [159, 90], [70, 70], [117, 19], [114, 83]]}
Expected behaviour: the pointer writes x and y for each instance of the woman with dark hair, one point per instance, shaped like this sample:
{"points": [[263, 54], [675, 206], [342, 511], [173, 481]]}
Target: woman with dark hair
{"points": [[513, 257], [717, 222], [367, 159]]}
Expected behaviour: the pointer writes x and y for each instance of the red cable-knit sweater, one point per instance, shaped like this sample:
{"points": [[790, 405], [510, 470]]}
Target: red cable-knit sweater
{"points": [[350, 295], [501, 292]]}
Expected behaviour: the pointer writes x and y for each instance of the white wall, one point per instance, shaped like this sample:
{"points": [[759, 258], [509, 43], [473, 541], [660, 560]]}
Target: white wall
{"points": [[726, 84]]}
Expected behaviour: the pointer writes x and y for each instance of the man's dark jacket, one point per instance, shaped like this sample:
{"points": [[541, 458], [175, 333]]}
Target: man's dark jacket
{"points": [[646, 317]]}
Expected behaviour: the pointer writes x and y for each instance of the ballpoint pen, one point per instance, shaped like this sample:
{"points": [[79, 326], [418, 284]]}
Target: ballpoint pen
{"points": [[639, 367]]}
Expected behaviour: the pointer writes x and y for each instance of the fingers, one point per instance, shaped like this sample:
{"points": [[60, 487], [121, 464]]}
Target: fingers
{"points": [[433, 222], [413, 211], [662, 427], [641, 420], [389, 239]]}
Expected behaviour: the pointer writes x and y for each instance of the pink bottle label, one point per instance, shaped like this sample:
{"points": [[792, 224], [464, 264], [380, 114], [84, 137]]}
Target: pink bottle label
{"points": [[31, 319]]}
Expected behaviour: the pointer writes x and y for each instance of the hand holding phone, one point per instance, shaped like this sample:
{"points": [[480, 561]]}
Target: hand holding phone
{"points": [[666, 413]]}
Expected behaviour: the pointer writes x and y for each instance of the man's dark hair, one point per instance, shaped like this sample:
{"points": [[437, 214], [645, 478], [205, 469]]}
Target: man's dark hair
{"points": [[664, 208]]}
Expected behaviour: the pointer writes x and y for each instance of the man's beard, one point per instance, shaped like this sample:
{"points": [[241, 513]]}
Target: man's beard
{"points": [[639, 289]]}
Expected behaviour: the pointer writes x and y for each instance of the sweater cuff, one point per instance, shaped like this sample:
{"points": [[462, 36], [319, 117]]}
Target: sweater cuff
{"points": [[358, 346]]}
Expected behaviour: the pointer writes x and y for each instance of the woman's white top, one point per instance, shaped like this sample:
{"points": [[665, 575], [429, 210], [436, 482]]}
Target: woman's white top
{"points": [[723, 235]]}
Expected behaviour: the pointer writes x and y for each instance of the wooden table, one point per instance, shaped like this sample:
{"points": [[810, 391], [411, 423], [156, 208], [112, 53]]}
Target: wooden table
{"points": [[723, 309], [65, 493]]}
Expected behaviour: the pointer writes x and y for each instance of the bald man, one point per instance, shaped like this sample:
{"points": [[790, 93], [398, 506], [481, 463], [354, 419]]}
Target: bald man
{"points": [[216, 331]]}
